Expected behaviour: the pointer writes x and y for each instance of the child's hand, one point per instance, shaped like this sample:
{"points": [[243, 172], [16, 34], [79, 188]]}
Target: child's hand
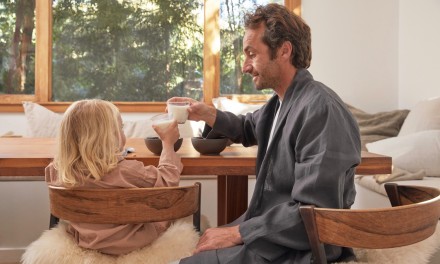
{"points": [[169, 135]]}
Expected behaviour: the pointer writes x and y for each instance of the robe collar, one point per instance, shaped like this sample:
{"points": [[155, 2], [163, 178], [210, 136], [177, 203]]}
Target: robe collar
{"points": [[302, 77]]}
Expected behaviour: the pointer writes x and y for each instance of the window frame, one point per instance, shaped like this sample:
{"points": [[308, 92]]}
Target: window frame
{"points": [[43, 64]]}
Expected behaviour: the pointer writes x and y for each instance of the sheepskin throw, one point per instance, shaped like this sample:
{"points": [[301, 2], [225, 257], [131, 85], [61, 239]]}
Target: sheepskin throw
{"points": [[56, 246]]}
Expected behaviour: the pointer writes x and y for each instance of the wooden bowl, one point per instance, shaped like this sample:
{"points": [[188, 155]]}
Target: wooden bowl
{"points": [[154, 144], [212, 146]]}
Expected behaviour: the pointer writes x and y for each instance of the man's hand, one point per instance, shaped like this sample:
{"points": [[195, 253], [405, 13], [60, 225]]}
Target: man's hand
{"points": [[202, 112], [221, 237], [198, 111]]}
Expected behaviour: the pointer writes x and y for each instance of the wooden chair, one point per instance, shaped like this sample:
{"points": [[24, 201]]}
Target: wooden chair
{"points": [[403, 194], [125, 205], [413, 219], [119, 206]]}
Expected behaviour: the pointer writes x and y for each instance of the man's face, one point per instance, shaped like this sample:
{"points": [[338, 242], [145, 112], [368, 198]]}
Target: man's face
{"points": [[265, 72]]}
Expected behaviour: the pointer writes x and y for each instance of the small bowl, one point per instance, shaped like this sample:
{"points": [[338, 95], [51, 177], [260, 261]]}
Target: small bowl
{"points": [[212, 146], [154, 144]]}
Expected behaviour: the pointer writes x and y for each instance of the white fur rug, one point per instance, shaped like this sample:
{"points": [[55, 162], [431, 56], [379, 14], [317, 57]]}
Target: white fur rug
{"points": [[55, 246], [418, 253], [179, 241]]}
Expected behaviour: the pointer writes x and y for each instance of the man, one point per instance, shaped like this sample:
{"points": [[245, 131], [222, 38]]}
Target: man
{"points": [[308, 147]]}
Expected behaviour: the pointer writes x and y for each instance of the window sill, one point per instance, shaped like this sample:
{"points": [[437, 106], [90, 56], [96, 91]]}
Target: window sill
{"points": [[60, 107]]}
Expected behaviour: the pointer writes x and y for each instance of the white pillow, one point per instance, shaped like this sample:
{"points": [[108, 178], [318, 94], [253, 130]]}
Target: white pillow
{"points": [[424, 116], [225, 104], [143, 129], [139, 129], [42, 122], [413, 152]]}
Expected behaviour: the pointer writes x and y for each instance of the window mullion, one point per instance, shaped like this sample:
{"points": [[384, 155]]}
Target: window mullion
{"points": [[294, 5], [211, 51], [43, 58]]}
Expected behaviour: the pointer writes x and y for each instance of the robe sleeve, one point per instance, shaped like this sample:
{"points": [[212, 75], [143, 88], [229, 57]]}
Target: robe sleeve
{"points": [[243, 127]]}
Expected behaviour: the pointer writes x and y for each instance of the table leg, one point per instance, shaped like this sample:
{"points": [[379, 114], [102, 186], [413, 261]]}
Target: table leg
{"points": [[232, 197]]}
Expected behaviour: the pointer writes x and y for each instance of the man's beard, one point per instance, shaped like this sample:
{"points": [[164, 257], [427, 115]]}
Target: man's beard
{"points": [[270, 80], [266, 83]]}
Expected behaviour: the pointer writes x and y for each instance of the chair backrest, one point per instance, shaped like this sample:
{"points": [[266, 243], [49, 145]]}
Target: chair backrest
{"points": [[405, 194], [125, 205], [370, 228]]}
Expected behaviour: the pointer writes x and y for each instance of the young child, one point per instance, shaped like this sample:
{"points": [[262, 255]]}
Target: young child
{"points": [[90, 146]]}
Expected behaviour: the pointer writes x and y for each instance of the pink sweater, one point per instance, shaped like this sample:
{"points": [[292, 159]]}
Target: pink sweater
{"points": [[121, 239]]}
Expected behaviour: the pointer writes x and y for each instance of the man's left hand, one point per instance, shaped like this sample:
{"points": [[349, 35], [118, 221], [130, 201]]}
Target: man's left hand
{"points": [[220, 237]]}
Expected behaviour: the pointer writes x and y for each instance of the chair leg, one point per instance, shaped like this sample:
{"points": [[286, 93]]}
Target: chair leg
{"points": [[318, 251], [393, 194], [53, 221], [196, 215]]}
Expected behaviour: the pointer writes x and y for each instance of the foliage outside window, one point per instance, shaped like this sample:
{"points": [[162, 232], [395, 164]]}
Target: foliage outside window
{"points": [[120, 50], [127, 50], [17, 47], [232, 81]]}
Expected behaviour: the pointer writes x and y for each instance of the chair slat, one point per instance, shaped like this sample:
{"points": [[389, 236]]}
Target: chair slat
{"points": [[413, 218], [124, 206]]}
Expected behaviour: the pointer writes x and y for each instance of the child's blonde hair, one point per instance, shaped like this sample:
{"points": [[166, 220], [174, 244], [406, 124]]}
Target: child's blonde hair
{"points": [[88, 141]]}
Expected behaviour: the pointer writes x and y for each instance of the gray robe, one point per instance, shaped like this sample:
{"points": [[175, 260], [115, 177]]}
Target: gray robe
{"points": [[311, 160]]}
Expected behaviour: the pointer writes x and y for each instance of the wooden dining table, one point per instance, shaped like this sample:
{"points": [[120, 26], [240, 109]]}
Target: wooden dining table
{"points": [[26, 158]]}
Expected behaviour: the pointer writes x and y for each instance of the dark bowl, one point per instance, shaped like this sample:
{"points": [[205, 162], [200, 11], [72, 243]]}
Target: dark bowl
{"points": [[212, 146], [154, 144]]}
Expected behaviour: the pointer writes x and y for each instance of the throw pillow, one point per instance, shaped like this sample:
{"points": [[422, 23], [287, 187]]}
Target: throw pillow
{"points": [[424, 116], [139, 129], [378, 126], [225, 104], [413, 152], [143, 129], [42, 122]]}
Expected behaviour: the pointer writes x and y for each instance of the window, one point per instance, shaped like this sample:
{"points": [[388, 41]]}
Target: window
{"points": [[133, 51], [137, 53], [17, 48]]}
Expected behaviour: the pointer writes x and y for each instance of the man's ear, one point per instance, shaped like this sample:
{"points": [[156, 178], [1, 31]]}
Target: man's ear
{"points": [[286, 50]]}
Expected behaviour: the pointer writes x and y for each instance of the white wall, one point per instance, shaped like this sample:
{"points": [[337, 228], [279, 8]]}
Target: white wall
{"points": [[355, 50], [24, 215], [377, 55], [14, 122], [419, 51]]}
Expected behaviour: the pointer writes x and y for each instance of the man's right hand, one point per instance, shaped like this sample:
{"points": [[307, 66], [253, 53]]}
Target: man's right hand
{"points": [[198, 111]]}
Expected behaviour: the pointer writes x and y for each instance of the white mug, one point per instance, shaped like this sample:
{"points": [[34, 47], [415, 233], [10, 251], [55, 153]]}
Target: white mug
{"points": [[178, 111]]}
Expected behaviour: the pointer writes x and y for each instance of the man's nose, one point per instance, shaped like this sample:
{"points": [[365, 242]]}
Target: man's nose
{"points": [[247, 67]]}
